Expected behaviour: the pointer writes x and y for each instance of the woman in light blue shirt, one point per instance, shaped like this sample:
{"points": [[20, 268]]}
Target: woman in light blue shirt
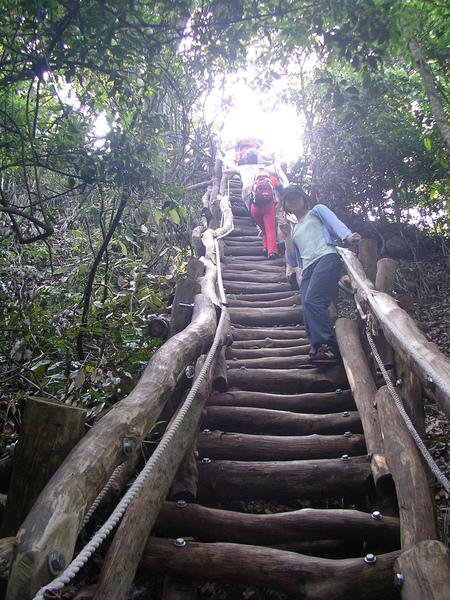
{"points": [[311, 244]]}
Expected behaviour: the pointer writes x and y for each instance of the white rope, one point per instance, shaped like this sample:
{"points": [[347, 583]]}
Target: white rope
{"points": [[69, 573], [416, 437]]}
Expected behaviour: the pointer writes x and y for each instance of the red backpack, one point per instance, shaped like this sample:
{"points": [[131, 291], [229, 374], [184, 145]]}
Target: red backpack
{"points": [[262, 191]]}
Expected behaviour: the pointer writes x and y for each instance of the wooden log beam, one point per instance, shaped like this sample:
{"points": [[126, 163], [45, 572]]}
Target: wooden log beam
{"points": [[243, 267], [271, 362], [308, 524], [279, 422], [257, 298], [49, 432], [316, 403], [271, 333], [221, 480], [268, 343], [364, 391], [425, 571], [404, 460], [268, 277], [263, 317], [240, 446], [129, 541], [242, 354], [78, 481], [422, 356], [292, 300], [235, 287], [296, 575], [289, 380]]}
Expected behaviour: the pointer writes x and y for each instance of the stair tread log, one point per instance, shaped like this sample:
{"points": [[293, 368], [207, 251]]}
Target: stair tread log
{"points": [[242, 446], [277, 422], [307, 524], [317, 403], [298, 576]]}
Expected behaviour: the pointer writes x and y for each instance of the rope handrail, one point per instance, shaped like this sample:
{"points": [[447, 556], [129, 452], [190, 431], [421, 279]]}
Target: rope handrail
{"points": [[421, 446]]}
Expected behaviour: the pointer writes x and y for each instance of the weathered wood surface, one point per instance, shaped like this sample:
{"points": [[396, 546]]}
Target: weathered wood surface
{"points": [[127, 546], [273, 362], [308, 524], [222, 480], [263, 317], [238, 355], [291, 300], [422, 356], [76, 484], [425, 569], [318, 403], [270, 343], [404, 460], [182, 306], [222, 445], [52, 428], [257, 298], [271, 333], [364, 391], [289, 380], [410, 391], [236, 287], [278, 422], [273, 276], [296, 575], [367, 250], [386, 274], [6, 554]]}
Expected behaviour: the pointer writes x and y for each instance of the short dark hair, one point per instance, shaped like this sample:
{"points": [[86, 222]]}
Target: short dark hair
{"points": [[295, 190]]}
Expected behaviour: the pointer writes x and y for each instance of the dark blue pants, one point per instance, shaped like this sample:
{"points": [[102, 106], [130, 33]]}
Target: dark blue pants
{"points": [[317, 289]]}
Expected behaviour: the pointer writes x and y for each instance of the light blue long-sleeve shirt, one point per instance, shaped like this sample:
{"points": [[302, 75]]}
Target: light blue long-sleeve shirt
{"points": [[333, 231]]}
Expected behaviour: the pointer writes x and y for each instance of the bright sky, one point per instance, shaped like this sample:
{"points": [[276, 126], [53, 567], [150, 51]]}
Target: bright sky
{"points": [[280, 129]]}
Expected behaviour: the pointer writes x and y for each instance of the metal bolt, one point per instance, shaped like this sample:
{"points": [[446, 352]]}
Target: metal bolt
{"points": [[185, 305], [179, 543], [56, 562], [377, 515], [181, 503], [206, 431], [369, 455], [399, 383], [345, 413], [339, 391], [374, 404], [345, 457], [235, 357], [204, 412], [399, 580], [370, 559], [127, 446], [206, 460], [348, 434], [228, 366], [430, 384], [196, 454], [243, 368]]}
